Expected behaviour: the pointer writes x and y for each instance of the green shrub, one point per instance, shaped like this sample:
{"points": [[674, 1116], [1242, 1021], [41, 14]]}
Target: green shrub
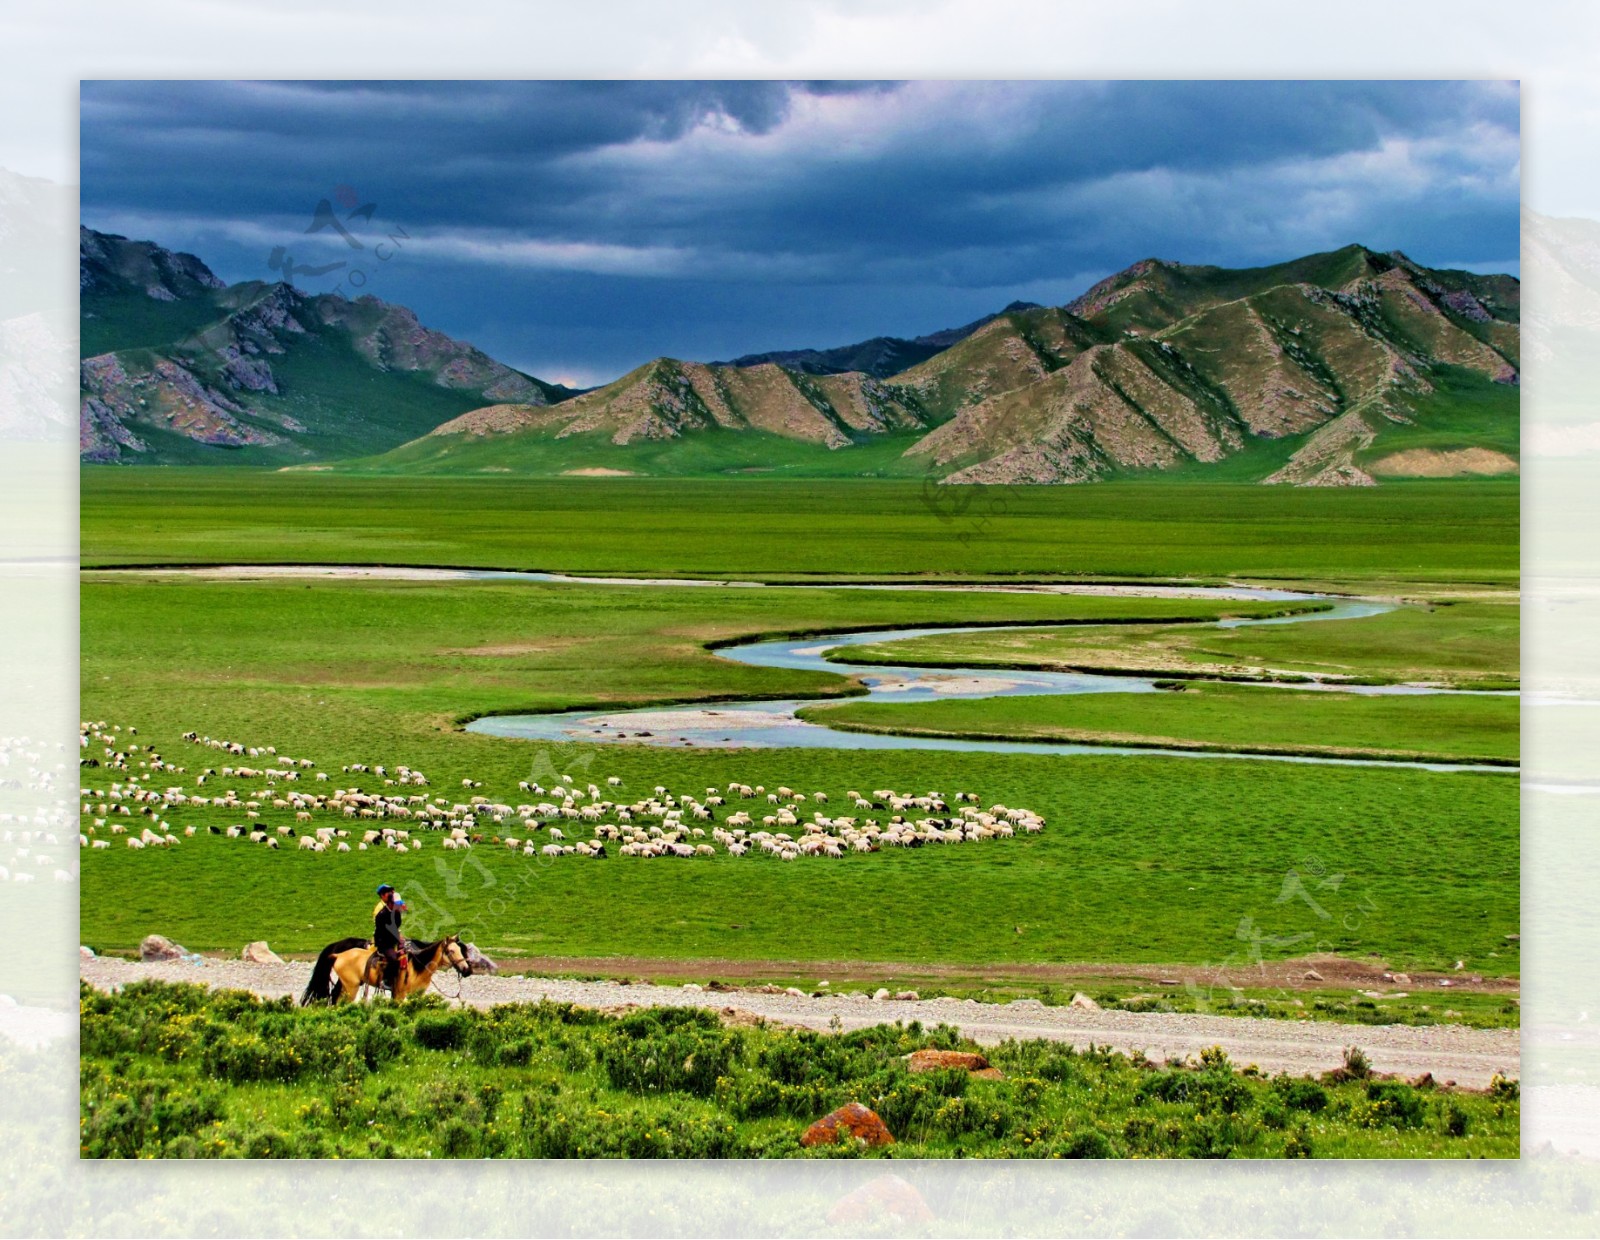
{"points": [[686, 1056], [1388, 1103], [1209, 1089], [458, 1139], [747, 1094], [268, 1143], [960, 1116], [636, 1132], [124, 1119], [518, 1054], [442, 1031], [378, 1044], [1087, 1143], [1301, 1095], [1504, 1087]]}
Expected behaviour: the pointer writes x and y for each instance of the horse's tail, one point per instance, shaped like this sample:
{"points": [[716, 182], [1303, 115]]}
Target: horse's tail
{"points": [[322, 986]]}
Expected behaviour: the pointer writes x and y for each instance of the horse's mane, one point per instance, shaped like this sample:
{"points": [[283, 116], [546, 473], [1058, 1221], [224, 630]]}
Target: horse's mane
{"points": [[420, 951]]}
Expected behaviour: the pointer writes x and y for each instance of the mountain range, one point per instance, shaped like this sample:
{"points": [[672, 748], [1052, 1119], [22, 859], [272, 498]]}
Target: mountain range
{"points": [[179, 368], [1340, 368], [879, 357]]}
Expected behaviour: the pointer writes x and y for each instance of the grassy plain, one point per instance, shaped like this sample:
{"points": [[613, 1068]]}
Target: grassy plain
{"points": [[1412, 535], [751, 453], [170, 1071], [1206, 715], [345, 672], [342, 672]]}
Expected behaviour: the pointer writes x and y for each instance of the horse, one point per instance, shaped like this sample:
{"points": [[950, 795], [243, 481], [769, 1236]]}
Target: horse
{"points": [[345, 967]]}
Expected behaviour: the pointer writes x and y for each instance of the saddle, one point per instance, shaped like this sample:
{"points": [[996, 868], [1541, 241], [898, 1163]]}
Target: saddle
{"points": [[373, 972]]}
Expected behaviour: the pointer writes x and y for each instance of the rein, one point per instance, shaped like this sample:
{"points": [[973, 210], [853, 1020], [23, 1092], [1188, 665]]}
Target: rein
{"points": [[439, 968], [434, 982]]}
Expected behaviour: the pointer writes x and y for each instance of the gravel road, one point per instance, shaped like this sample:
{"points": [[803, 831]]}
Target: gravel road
{"points": [[1469, 1057]]}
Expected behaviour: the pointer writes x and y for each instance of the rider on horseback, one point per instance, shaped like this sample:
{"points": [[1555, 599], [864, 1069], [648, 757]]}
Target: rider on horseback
{"points": [[386, 936]]}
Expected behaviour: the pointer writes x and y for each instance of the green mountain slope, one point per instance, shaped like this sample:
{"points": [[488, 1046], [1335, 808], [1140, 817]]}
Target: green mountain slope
{"points": [[180, 369], [1302, 373], [721, 418], [1336, 369]]}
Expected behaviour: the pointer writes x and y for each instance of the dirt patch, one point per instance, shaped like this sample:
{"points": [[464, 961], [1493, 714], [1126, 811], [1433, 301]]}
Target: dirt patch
{"points": [[1426, 463], [511, 649], [1337, 972], [597, 471]]}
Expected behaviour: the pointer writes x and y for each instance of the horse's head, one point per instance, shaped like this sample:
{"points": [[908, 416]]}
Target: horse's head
{"points": [[457, 958]]}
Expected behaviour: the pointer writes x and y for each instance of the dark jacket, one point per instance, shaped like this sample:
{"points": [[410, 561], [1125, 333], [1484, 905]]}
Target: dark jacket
{"points": [[386, 928]]}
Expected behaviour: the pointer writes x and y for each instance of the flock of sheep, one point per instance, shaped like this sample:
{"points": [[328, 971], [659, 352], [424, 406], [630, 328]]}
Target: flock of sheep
{"points": [[566, 819], [32, 822]]}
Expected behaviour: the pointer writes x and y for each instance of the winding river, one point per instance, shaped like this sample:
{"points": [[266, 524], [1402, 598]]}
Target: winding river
{"points": [[775, 723]]}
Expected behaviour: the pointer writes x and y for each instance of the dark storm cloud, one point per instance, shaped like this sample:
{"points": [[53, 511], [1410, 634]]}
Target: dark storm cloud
{"points": [[585, 226]]}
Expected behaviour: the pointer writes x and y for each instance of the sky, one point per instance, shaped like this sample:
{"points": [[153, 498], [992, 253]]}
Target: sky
{"points": [[576, 229]]}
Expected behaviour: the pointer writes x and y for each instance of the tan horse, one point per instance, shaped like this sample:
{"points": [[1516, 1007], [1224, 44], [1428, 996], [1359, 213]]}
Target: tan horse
{"points": [[345, 967]]}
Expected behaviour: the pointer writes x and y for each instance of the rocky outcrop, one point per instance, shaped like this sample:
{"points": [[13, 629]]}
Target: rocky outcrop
{"points": [[851, 1122], [118, 399], [109, 263], [668, 399], [930, 1060], [156, 947], [222, 384]]}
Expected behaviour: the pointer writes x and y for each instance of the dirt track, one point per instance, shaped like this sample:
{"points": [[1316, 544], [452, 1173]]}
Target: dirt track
{"points": [[1470, 1057]]}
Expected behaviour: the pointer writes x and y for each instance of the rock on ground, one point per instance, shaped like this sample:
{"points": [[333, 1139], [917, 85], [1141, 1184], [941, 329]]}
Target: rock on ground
{"points": [[931, 1060], [858, 1122], [155, 948]]}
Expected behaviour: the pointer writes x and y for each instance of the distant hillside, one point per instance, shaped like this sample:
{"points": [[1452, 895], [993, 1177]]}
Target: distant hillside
{"points": [[1336, 369], [879, 357], [719, 418], [1306, 372], [179, 368]]}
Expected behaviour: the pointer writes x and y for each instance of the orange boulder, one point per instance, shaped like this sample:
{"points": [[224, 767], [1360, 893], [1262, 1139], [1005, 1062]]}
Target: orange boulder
{"points": [[856, 1121]]}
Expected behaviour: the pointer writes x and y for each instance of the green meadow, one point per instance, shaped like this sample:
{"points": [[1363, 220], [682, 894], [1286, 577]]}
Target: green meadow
{"points": [[382, 671], [359, 671], [1417, 535], [1210, 716]]}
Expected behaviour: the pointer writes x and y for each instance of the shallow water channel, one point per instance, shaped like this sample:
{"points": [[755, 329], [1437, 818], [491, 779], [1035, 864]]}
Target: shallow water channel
{"points": [[774, 723]]}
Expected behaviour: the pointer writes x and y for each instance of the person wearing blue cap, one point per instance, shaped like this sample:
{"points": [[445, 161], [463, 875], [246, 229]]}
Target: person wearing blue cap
{"points": [[386, 937]]}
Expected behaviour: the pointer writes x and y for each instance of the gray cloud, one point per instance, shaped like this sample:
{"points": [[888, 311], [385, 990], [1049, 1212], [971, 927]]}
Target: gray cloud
{"points": [[605, 222]]}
